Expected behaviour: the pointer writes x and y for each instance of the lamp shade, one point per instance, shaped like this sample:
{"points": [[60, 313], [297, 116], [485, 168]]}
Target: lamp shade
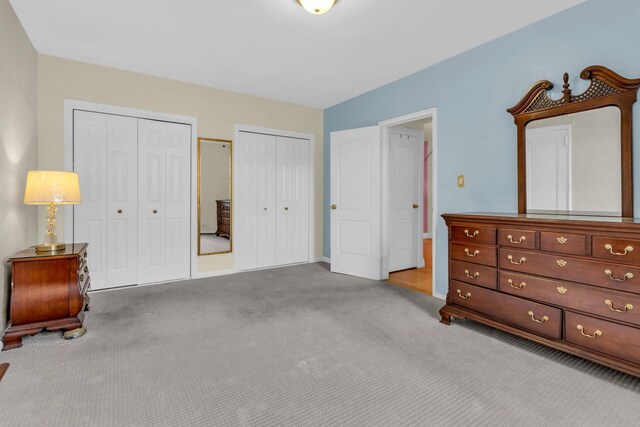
{"points": [[45, 187], [317, 7]]}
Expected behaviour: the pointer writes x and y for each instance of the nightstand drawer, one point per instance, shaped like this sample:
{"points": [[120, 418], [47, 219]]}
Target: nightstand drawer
{"points": [[619, 250], [475, 274], [525, 239], [474, 253], [474, 235]]}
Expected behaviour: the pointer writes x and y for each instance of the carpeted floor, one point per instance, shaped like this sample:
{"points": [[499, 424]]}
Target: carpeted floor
{"points": [[298, 346]]}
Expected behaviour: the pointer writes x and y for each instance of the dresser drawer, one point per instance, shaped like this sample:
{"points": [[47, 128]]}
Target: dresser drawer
{"points": [[619, 250], [575, 244], [474, 273], [611, 304], [605, 337], [474, 253], [525, 239], [582, 270], [472, 234], [538, 318]]}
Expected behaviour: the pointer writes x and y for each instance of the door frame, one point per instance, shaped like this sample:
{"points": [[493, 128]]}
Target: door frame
{"points": [[384, 131], [312, 194], [70, 105]]}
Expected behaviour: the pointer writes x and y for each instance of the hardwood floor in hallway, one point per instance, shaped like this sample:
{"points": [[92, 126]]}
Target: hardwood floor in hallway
{"points": [[418, 279]]}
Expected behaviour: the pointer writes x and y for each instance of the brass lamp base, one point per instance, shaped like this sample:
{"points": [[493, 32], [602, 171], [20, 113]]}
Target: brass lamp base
{"points": [[49, 247]]}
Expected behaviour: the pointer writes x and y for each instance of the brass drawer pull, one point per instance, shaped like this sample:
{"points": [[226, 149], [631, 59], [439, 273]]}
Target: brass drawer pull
{"points": [[474, 254], [596, 334], [475, 233], [561, 262], [475, 275], [533, 317], [626, 250], [86, 269], [467, 296], [520, 286], [562, 240], [561, 290], [510, 258], [81, 277], [516, 242], [626, 277], [610, 305]]}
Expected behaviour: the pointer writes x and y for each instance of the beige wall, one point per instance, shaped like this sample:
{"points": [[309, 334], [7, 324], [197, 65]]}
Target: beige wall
{"points": [[217, 112], [18, 143]]}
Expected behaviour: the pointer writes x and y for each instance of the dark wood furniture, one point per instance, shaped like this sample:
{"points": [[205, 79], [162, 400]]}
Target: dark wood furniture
{"points": [[48, 291], [569, 282], [3, 369], [573, 285], [223, 213]]}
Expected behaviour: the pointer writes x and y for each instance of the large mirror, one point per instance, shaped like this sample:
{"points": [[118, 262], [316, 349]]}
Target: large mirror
{"points": [[574, 152], [573, 164], [214, 196]]}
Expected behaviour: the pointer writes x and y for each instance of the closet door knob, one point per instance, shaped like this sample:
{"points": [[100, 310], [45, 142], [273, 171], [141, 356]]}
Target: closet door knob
{"points": [[265, 209], [155, 211], [119, 211], [286, 209]]}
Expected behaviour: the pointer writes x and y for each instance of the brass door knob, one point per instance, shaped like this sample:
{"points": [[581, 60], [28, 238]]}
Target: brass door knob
{"points": [[415, 206], [119, 211], [334, 207]]}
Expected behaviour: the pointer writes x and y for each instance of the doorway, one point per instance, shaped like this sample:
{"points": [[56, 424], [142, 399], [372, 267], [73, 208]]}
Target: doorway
{"points": [[414, 134]]}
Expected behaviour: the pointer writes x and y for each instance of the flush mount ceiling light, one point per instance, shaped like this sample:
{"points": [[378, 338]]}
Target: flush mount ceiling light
{"points": [[317, 7]]}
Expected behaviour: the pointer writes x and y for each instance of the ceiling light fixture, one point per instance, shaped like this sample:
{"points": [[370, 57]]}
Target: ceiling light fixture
{"points": [[317, 7]]}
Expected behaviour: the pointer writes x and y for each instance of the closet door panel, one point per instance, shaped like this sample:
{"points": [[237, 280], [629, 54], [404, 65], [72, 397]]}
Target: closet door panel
{"points": [[266, 195], [152, 182], [122, 200], [90, 217], [177, 218], [292, 183], [246, 202]]}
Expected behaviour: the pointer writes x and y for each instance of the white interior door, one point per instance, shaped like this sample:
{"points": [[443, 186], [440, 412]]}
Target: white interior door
{"points": [[122, 202], [356, 202], [548, 169], [404, 198], [90, 217], [292, 206], [255, 200]]}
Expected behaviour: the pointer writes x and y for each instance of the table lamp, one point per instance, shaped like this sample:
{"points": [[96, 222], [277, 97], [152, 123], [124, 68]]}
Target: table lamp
{"points": [[52, 188]]}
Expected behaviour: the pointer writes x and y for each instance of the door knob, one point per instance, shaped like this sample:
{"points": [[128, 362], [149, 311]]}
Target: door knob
{"points": [[119, 210], [334, 207], [155, 211], [265, 209], [286, 209], [415, 206]]}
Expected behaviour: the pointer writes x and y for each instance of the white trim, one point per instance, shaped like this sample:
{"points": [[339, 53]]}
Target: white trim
{"points": [[433, 113], [312, 175], [322, 259], [213, 273], [426, 235], [71, 104], [440, 296]]}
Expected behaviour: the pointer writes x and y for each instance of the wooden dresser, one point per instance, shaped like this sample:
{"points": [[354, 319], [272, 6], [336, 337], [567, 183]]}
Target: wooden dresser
{"points": [[571, 284], [223, 212], [48, 291]]}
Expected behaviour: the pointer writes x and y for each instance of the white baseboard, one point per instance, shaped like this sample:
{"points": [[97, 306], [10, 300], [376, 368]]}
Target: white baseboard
{"points": [[322, 259], [440, 296], [214, 273], [427, 236]]}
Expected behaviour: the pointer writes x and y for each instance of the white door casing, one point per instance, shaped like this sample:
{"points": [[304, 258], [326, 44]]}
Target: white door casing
{"points": [[404, 197], [292, 205], [356, 195]]}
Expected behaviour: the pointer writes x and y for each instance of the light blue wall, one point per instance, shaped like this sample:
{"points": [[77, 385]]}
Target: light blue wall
{"points": [[476, 136]]}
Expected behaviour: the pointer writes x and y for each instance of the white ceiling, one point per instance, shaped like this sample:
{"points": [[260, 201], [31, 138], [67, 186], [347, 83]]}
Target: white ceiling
{"points": [[273, 48]]}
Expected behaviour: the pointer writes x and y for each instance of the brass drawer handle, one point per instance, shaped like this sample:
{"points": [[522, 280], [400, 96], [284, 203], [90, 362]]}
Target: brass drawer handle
{"points": [[475, 233], [562, 240], [467, 296], [533, 317], [86, 269], [596, 334], [561, 290], [475, 275], [516, 242], [334, 207], [561, 262], [626, 250], [609, 304], [520, 286], [510, 258], [626, 277], [81, 277], [474, 254]]}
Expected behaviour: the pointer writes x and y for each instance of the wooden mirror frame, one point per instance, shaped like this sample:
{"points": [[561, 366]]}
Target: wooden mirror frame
{"points": [[606, 89]]}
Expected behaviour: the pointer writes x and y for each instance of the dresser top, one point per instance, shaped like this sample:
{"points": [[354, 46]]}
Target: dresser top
{"points": [[546, 219], [30, 254]]}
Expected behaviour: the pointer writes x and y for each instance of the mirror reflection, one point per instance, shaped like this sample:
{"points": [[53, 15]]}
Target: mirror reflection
{"points": [[214, 196], [574, 164]]}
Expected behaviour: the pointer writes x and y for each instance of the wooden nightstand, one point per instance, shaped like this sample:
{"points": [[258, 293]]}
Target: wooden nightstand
{"points": [[48, 291]]}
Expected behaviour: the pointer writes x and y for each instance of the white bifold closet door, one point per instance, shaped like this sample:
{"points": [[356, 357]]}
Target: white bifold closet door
{"points": [[272, 200], [135, 212]]}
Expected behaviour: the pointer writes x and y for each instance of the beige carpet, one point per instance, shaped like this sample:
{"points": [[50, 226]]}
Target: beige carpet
{"points": [[298, 346]]}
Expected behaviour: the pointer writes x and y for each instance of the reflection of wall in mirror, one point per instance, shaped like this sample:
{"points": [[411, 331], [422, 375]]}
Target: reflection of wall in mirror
{"points": [[595, 158], [214, 181]]}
